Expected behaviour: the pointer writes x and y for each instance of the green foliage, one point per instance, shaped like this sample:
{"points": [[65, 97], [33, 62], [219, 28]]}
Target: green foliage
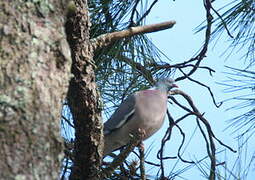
{"points": [[242, 81], [127, 65], [239, 18], [124, 67]]}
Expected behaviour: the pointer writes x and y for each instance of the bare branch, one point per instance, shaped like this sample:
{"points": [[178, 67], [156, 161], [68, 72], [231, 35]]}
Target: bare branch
{"points": [[197, 113], [184, 64], [202, 53], [107, 39], [166, 138], [208, 88], [209, 142], [68, 121], [151, 163], [180, 147], [183, 117], [142, 169], [210, 147], [223, 22], [65, 169]]}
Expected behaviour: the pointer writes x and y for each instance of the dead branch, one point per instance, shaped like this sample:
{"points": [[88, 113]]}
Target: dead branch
{"points": [[107, 39], [142, 168], [166, 138], [166, 66], [202, 53], [211, 150], [208, 88], [197, 113], [180, 147]]}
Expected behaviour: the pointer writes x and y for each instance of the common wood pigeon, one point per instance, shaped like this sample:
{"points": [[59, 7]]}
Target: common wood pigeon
{"points": [[144, 110]]}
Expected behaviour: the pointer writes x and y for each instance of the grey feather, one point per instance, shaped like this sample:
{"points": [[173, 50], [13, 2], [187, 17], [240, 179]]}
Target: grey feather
{"points": [[123, 112], [145, 110]]}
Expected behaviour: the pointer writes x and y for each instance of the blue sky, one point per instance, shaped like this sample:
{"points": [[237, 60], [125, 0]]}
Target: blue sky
{"points": [[181, 43]]}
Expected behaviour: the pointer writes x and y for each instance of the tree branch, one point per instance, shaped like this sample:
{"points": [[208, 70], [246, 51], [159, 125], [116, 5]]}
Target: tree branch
{"points": [[208, 88], [209, 142], [83, 97], [202, 53], [142, 168], [107, 39], [197, 113]]}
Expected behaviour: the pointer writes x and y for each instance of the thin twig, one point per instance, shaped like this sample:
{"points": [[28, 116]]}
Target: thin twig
{"points": [[166, 138], [67, 121], [133, 13], [203, 51], [183, 117], [210, 144], [151, 163], [155, 66], [223, 22], [180, 147], [201, 84], [147, 12], [64, 170], [212, 158], [197, 113], [142, 168]]}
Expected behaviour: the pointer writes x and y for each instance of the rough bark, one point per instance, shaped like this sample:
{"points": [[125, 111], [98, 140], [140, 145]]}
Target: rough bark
{"points": [[83, 97], [34, 68]]}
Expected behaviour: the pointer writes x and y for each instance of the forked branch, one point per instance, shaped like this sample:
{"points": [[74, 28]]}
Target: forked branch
{"points": [[210, 137]]}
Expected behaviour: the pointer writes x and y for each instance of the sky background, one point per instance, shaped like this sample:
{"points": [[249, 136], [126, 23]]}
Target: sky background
{"points": [[181, 43]]}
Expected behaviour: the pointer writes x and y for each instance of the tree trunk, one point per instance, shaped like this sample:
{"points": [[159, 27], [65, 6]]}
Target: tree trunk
{"points": [[83, 98], [34, 70]]}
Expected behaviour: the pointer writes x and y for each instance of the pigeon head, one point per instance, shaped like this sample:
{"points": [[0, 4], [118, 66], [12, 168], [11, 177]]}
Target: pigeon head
{"points": [[166, 84]]}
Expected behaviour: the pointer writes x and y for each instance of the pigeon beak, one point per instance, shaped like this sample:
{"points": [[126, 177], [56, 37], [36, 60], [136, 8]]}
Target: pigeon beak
{"points": [[175, 86]]}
